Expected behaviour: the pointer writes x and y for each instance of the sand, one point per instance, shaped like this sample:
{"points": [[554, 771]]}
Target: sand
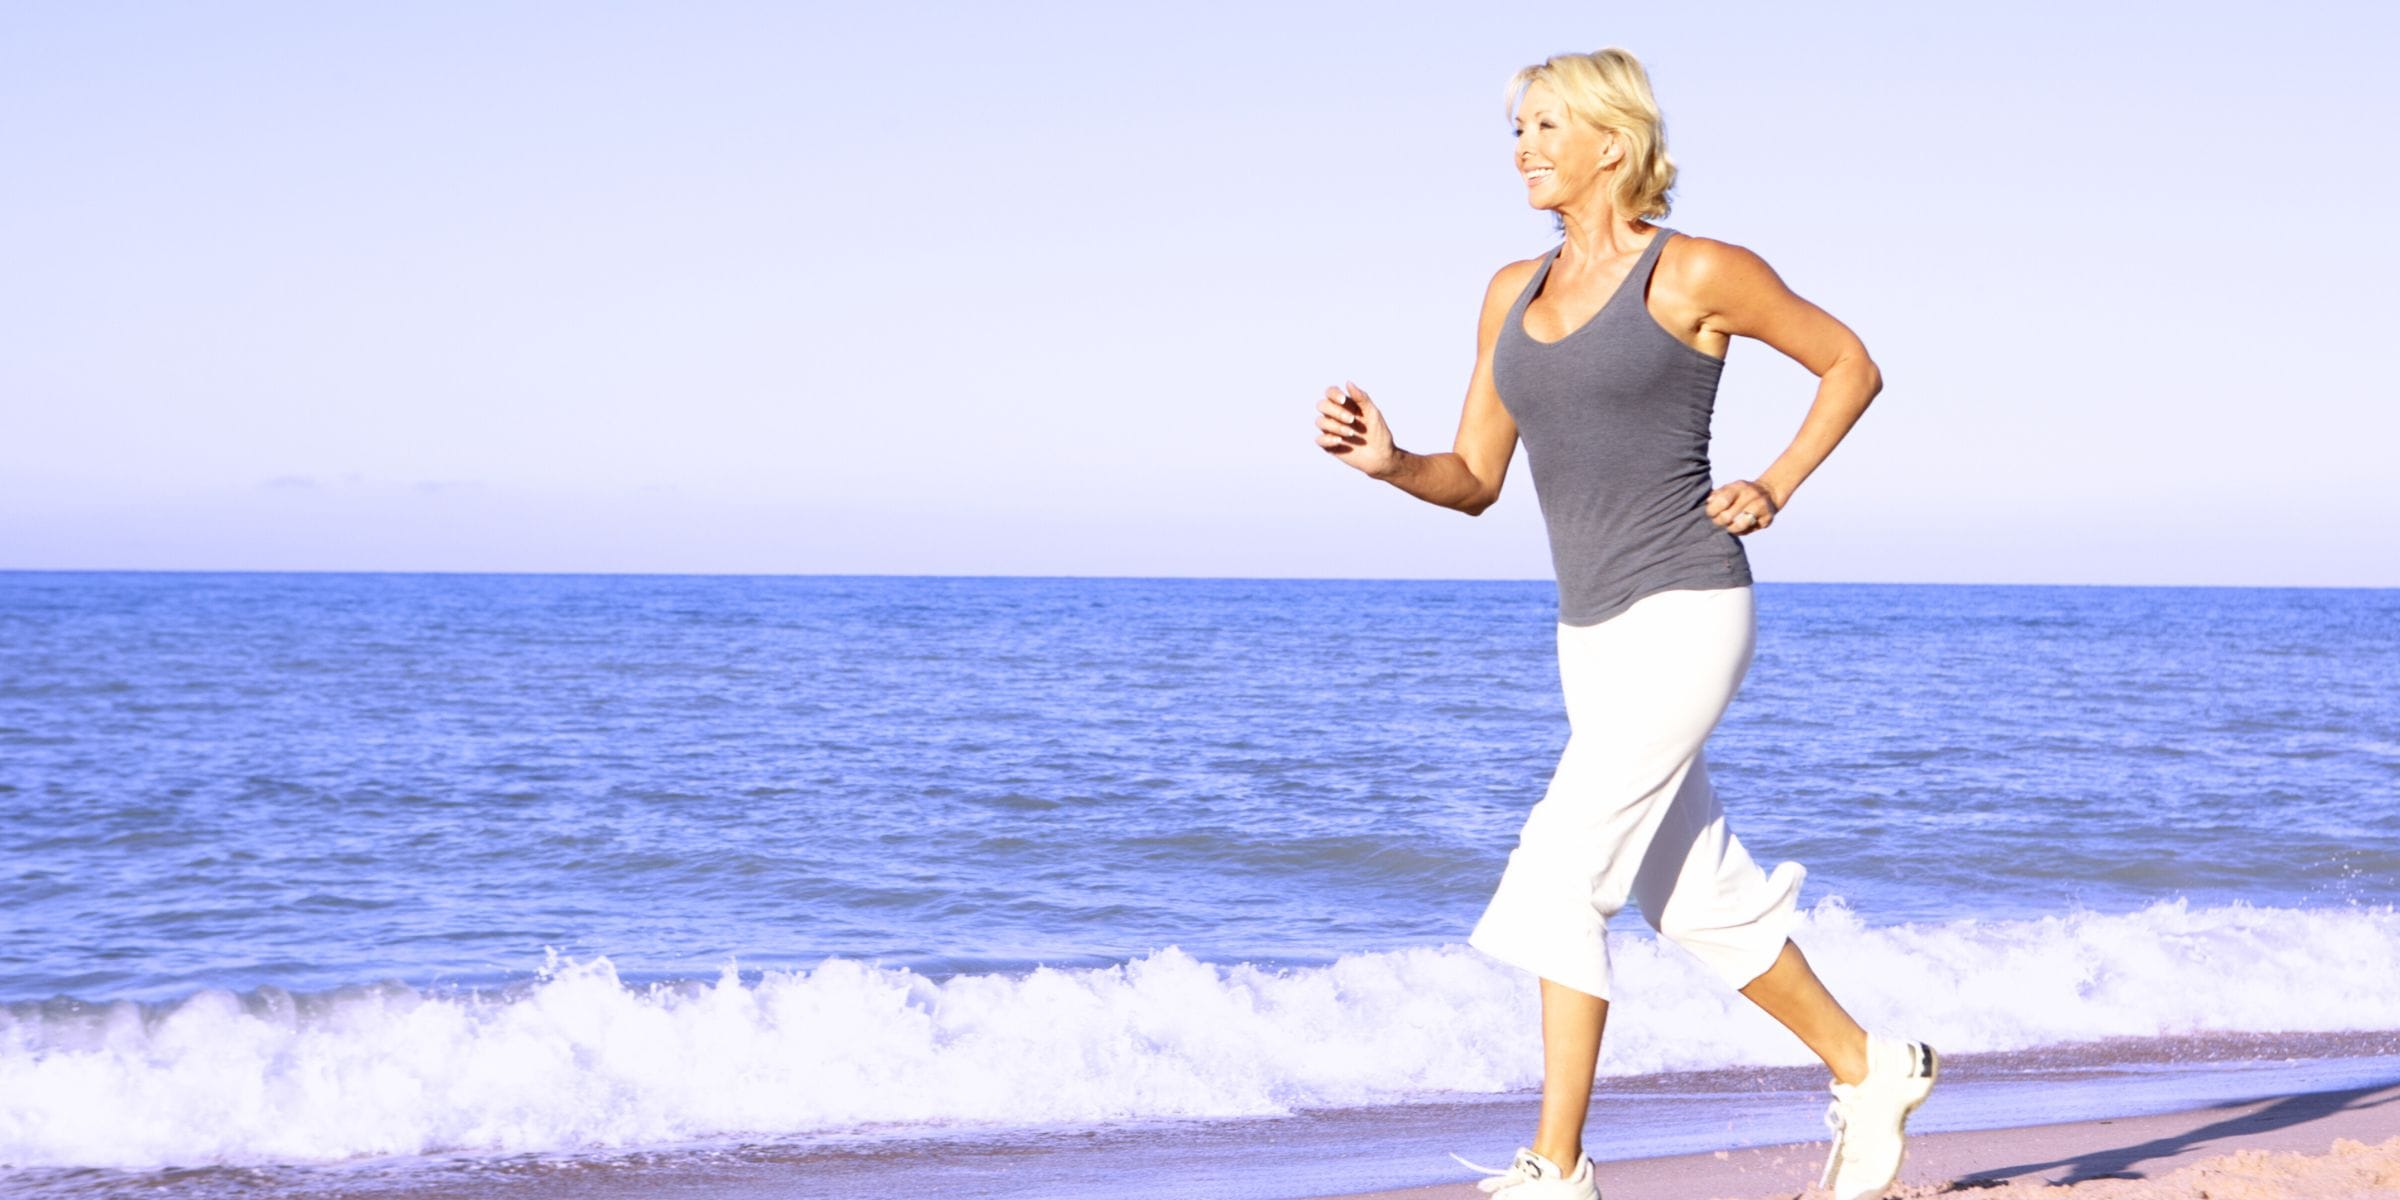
{"points": [[2340, 1144]]}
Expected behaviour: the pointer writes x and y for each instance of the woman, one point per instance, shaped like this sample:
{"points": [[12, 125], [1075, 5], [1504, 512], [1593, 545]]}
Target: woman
{"points": [[1603, 354]]}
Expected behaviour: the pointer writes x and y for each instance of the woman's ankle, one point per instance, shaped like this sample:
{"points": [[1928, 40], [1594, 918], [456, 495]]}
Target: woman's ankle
{"points": [[1850, 1061]]}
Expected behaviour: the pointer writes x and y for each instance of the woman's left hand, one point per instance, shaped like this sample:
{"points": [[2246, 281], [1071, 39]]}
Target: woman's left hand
{"points": [[1741, 507]]}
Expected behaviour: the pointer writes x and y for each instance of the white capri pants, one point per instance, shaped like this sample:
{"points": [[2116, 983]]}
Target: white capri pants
{"points": [[1629, 811]]}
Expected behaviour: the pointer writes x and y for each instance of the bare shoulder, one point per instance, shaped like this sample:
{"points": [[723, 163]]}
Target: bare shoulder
{"points": [[1710, 271], [1507, 284], [1513, 277], [1723, 290]]}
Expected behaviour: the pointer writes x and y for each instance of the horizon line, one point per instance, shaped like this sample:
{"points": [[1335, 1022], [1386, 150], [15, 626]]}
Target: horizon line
{"points": [[928, 575]]}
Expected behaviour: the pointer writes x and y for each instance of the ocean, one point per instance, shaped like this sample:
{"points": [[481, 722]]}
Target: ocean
{"points": [[404, 882]]}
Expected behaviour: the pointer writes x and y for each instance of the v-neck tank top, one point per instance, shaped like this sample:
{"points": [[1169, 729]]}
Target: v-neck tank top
{"points": [[1614, 418]]}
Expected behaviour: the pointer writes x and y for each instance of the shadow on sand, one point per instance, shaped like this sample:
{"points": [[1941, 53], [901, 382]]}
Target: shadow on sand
{"points": [[2118, 1162]]}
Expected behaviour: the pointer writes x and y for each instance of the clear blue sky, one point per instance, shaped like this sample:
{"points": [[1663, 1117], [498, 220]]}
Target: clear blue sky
{"points": [[1031, 289]]}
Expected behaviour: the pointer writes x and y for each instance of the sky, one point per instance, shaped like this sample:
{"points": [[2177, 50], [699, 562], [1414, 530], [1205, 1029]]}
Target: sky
{"points": [[1038, 289]]}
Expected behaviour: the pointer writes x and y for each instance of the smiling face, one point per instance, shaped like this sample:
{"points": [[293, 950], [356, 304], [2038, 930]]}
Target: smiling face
{"points": [[1563, 160]]}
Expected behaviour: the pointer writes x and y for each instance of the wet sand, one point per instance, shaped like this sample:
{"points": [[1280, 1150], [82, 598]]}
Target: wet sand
{"points": [[2341, 1144]]}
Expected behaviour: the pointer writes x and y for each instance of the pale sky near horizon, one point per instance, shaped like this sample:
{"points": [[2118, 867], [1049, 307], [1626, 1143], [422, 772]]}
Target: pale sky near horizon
{"points": [[1051, 289]]}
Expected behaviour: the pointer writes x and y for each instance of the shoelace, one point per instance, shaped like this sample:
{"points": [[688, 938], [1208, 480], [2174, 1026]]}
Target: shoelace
{"points": [[1838, 1122], [1508, 1176]]}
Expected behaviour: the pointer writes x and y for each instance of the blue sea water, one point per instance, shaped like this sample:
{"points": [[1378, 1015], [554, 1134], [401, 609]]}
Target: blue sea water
{"points": [[315, 868]]}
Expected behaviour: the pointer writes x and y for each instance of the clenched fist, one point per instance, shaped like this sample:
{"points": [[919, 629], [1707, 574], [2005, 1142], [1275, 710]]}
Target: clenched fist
{"points": [[1741, 507]]}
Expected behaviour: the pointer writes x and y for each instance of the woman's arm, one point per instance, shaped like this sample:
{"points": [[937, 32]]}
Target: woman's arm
{"points": [[1736, 292], [1469, 475]]}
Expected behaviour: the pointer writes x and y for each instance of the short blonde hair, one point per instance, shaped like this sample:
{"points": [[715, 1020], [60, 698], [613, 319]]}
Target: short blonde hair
{"points": [[1609, 91]]}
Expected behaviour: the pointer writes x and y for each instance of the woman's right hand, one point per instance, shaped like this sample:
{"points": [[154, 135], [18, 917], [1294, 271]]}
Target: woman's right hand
{"points": [[1351, 428]]}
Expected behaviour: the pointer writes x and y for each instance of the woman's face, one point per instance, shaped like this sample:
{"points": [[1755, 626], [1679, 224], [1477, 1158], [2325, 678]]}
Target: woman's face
{"points": [[1559, 157]]}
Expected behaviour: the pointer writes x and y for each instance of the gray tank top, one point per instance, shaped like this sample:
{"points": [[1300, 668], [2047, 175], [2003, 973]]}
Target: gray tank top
{"points": [[1614, 418]]}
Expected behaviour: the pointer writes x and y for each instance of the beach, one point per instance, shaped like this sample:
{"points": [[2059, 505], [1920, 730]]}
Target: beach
{"points": [[2334, 1145], [2099, 1118], [645, 601], [1033, 890]]}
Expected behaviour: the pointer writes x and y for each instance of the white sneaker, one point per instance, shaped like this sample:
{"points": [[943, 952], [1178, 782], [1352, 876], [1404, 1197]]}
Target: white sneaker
{"points": [[1869, 1119], [1533, 1177]]}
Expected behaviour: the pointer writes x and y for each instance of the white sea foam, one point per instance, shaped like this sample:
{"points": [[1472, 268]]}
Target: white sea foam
{"points": [[580, 1060]]}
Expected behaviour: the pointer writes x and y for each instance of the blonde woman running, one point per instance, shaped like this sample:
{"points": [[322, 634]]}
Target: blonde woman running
{"points": [[1603, 355]]}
